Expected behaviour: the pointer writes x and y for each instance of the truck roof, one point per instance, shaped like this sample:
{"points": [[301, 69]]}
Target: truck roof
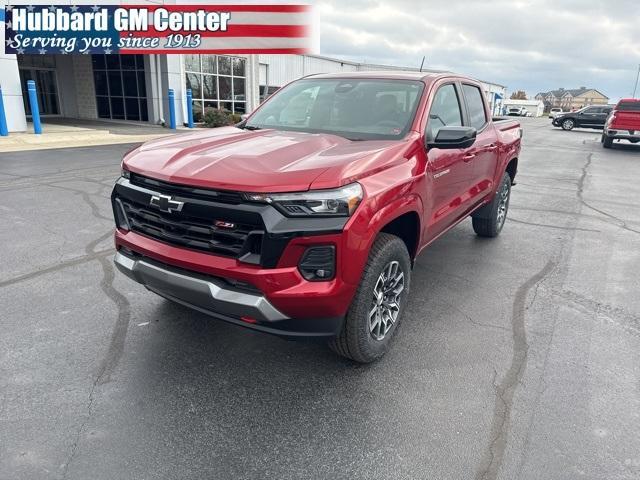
{"points": [[399, 75]]}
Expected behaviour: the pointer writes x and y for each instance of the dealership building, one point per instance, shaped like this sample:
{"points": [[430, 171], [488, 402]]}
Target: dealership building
{"points": [[134, 88]]}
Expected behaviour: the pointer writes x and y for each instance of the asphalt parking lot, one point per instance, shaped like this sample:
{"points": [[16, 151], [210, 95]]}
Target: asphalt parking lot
{"points": [[518, 358]]}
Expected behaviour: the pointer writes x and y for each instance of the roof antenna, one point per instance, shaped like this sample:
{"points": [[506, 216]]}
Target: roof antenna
{"points": [[422, 64]]}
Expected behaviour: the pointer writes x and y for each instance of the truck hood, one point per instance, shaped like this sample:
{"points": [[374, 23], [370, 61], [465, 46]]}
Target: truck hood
{"points": [[229, 158]]}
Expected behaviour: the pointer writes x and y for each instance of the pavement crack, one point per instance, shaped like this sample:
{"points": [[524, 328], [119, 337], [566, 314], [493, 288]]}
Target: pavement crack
{"points": [[95, 211], [544, 225], [115, 349], [471, 320], [59, 266], [612, 314], [580, 194], [505, 390]]}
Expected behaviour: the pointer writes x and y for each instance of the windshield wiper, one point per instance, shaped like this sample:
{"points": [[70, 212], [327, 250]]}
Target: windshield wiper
{"points": [[252, 127]]}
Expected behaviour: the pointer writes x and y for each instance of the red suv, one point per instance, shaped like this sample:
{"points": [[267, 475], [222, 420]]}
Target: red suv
{"points": [[306, 218], [623, 123]]}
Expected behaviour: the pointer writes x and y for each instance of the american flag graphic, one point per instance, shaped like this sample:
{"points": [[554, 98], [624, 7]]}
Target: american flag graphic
{"points": [[252, 28]]}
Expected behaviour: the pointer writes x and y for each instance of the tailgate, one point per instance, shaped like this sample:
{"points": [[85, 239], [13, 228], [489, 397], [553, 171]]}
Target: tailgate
{"points": [[626, 121]]}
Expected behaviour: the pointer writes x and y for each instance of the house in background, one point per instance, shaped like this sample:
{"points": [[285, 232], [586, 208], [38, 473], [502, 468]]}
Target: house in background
{"points": [[572, 98]]}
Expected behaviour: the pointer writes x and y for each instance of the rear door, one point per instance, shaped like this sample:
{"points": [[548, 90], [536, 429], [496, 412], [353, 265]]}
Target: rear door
{"points": [[589, 117], [483, 154], [601, 116], [449, 170]]}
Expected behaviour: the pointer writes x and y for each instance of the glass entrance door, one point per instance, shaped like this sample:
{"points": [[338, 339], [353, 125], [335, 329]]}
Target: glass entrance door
{"points": [[46, 87]]}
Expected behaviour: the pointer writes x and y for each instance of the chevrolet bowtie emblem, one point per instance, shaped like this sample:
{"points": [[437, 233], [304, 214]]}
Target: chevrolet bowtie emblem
{"points": [[166, 204]]}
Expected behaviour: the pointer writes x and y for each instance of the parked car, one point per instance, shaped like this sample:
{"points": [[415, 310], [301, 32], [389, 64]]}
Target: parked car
{"points": [[517, 112], [554, 112], [623, 123], [587, 117], [307, 222]]}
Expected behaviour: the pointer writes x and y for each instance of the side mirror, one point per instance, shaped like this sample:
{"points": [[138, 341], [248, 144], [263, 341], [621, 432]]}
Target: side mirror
{"points": [[454, 137], [244, 116]]}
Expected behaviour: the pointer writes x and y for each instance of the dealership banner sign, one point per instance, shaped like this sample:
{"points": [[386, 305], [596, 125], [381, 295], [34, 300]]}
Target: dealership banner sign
{"points": [[127, 29]]}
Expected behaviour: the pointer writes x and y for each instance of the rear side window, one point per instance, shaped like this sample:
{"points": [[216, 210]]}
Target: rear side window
{"points": [[445, 111], [629, 107], [475, 106]]}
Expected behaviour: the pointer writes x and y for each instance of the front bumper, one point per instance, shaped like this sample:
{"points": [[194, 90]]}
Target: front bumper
{"points": [[218, 298], [261, 249]]}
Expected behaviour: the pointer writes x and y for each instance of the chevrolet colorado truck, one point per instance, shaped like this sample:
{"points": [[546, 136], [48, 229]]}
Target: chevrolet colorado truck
{"points": [[305, 218], [623, 123]]}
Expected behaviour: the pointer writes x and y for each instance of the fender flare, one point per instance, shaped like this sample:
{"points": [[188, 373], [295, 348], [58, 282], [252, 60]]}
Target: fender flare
{"points": [[390, 212]]}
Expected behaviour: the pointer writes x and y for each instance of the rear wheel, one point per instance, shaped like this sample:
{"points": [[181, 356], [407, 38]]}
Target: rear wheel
{"points": [[378, 305], [568, 124], [607, 141], [489, 220]]}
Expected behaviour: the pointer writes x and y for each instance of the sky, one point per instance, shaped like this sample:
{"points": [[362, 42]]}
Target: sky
{"points": [[535, 45]]}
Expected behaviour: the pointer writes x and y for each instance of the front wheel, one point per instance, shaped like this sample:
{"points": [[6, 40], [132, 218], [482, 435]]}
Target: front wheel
{"points": [[489, 220], [568, 124], [377, 307]]}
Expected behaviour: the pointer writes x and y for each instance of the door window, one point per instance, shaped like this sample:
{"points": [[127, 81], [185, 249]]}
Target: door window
{"points": [[475, 106], [445, 111]]}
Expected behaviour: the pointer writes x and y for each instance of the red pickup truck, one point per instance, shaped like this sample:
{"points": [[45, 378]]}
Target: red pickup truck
{"points": [[305, 219], [623, 123]]}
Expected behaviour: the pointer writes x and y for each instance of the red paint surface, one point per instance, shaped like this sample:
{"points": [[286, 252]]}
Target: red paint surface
{"points": [[397, 178]]}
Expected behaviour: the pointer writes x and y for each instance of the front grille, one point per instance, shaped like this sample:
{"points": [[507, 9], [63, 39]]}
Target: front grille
{"points": [[221, 196], [192, 232], [212, 221]]}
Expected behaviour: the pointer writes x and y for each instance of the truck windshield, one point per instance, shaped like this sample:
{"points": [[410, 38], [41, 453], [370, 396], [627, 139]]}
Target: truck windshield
{"points": [[357, 109]]}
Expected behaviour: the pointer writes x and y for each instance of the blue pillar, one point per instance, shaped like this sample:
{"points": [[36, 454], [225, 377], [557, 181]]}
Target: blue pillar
{"points": [[189, 108], [172, 109], [35, 111], [4, 131]]}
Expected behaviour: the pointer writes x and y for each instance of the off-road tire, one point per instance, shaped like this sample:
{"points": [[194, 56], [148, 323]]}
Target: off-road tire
{"points": [[486, 221], [356, 341], [607, 141]]}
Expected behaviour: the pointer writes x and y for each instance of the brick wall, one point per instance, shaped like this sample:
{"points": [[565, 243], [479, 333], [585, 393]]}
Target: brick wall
{"points": [[85, 92]]}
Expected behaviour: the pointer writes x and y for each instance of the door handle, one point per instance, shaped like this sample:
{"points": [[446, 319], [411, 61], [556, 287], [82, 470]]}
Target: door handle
{"points": [[468, 157], [492, 147]]}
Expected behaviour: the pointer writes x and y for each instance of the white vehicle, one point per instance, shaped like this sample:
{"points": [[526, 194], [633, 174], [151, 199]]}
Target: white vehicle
{"points": [[517, 112], [554, 112]]}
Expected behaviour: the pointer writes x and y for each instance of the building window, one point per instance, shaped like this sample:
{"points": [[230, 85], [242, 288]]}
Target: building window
{"points": [[216, 81], [121, 93]]}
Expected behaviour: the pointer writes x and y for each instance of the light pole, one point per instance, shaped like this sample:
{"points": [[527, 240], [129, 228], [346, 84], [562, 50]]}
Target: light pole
{"points": [[636, 85]]}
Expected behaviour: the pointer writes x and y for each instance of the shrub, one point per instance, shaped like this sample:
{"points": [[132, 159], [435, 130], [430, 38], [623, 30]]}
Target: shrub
{"points": [[218, 118]]}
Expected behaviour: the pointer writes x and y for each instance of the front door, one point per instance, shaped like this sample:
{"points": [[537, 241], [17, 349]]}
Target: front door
{"points": [[448, 170]]}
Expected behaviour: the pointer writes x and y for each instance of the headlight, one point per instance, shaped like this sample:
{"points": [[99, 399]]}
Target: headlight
{"points": [[341, 202], [125, 173]]}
